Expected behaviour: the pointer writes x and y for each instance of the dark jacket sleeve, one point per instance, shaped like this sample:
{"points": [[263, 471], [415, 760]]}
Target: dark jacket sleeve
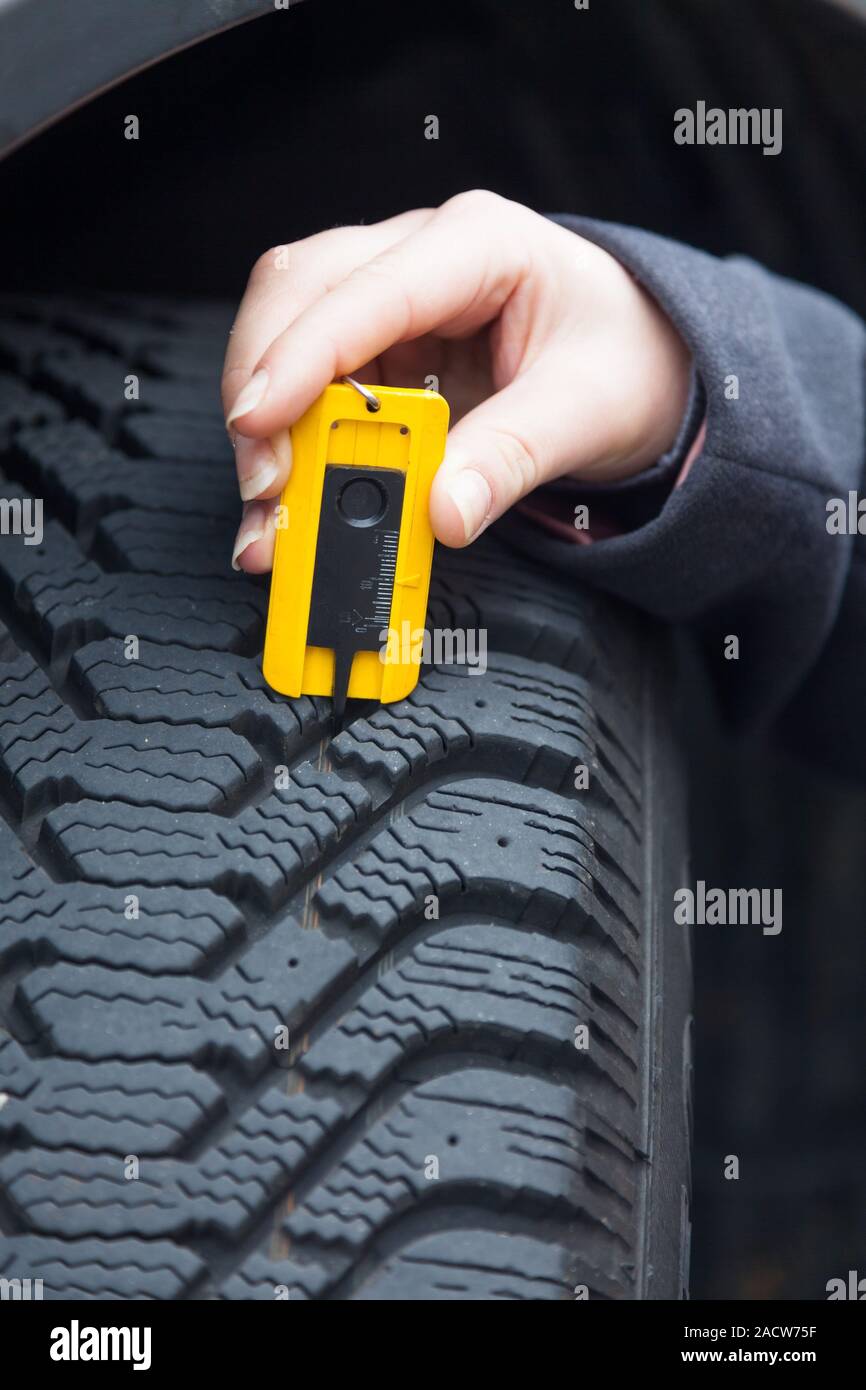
{"points": [[742, 548]]}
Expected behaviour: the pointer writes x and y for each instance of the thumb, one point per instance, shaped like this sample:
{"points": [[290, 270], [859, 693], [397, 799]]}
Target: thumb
{"points": [[532, 431]]}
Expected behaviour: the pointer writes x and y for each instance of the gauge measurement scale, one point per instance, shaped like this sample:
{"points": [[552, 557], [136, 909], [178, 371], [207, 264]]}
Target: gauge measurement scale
{"points": [[387, 571], [354, 545]]}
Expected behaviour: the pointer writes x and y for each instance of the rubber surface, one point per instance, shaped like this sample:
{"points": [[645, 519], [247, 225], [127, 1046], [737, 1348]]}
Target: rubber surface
{"points": [[173, 903]]}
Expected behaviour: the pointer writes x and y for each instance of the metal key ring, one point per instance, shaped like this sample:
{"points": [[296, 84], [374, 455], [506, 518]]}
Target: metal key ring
{"points": [[373, 402]]}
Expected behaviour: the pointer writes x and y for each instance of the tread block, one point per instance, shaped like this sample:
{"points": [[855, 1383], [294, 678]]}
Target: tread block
{"points": [[83, 479], [145, 1109], [468, 982], [262, 853], [525, 1148], [522, 715], [184, 438], [47, 756], [149, 542], [48, 1190], [98, 1269], [102, 1014], [214, 689], [163, 930], [194, 356], [484, 1266], [543, 859], [221, 1195], [97, 327], [69, 600], [93, 385]]}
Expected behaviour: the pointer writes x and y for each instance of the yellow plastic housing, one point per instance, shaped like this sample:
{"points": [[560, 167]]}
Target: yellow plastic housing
{"points": [[408, 433]]}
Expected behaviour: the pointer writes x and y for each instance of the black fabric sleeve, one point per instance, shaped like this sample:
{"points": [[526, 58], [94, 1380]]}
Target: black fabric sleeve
{"points": [[742, 548]]}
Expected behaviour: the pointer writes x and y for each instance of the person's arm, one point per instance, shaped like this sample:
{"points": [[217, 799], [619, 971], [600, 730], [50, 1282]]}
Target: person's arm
{"points": [[744, 546]]}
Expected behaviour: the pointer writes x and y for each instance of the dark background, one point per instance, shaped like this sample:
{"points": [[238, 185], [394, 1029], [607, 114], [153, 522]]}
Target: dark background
{"points": [[315, 116]]}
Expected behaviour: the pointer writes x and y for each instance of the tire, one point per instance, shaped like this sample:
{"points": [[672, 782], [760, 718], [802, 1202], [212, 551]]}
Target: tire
{"points": [[91, 48], [171, 905]]}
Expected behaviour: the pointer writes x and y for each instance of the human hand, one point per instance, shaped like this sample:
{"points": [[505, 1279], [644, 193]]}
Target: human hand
{"points": [[554, 360]]}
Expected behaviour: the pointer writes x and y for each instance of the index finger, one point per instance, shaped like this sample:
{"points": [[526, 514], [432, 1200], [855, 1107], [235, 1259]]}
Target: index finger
{"points": [[287, 279], [451, 275]]}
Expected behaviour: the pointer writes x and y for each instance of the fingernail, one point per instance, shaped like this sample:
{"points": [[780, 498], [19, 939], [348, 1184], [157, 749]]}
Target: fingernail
{"points": [[257, 466], [252, 528], [470, 492], [251, 396]]}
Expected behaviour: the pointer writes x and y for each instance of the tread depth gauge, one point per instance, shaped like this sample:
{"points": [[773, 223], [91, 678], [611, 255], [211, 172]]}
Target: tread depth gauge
{"points": [[354, 545]]}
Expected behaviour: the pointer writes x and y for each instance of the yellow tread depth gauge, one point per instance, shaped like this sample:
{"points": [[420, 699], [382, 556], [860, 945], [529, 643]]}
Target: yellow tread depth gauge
{"points": [[354, 545]]}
